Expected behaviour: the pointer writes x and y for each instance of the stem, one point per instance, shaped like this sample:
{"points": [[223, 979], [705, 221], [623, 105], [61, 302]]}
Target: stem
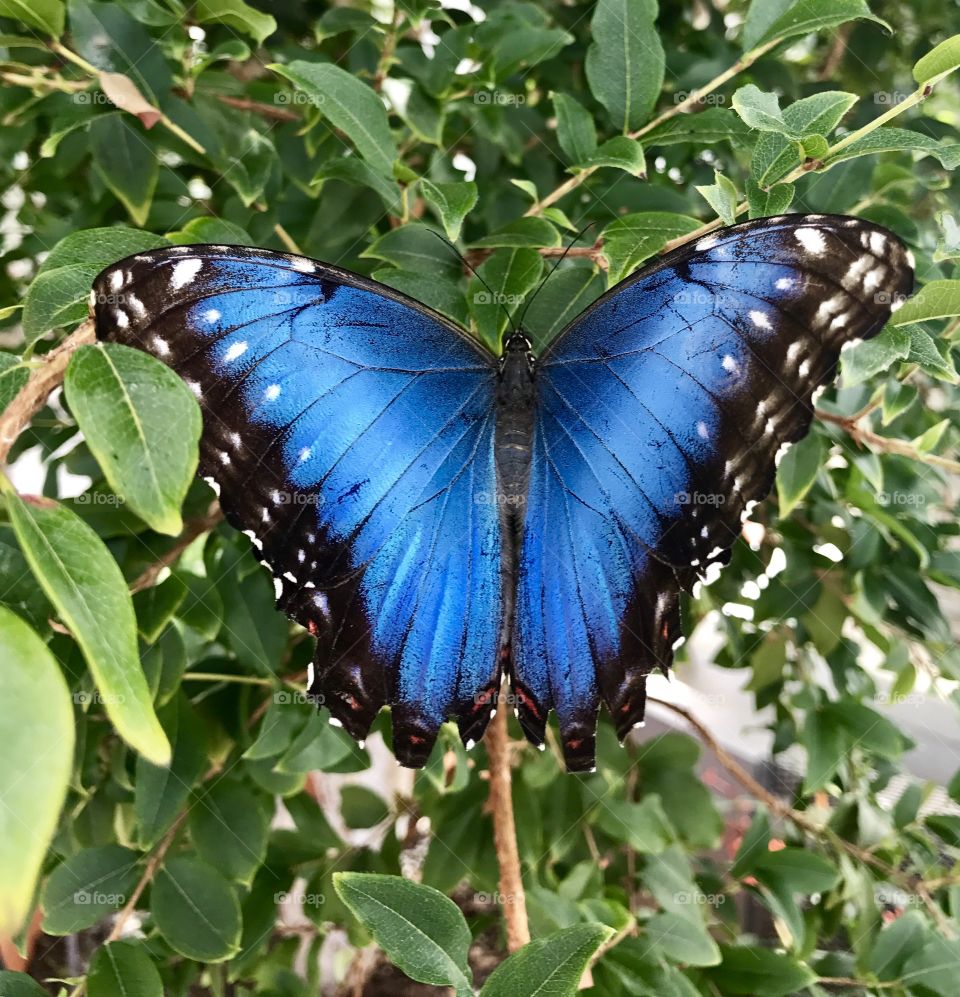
{"points": [[513, 900], [77, 60], [860, 434], [783, 810], [42, 381], [692, 99], [192, 529], [175, 129], [287, 239], [223, 677]]}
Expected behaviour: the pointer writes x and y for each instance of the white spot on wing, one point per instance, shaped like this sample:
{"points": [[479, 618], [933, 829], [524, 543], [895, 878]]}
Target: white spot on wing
{"points": [[729, 364], [236, 350], [708, 243], [784, 283], [272, 392], [812, 240], [760, 319], [211, 315], [184, 271], [302, 266], [878, 243], [116, 280]]}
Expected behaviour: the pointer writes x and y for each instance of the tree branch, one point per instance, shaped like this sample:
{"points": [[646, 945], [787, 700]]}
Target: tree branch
{"points": [[43, 380], [192, 529], [513, 899], [783, 810]]}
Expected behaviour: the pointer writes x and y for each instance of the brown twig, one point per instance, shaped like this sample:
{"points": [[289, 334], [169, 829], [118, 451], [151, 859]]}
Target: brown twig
{"points": [[837, 51], [257, 107], [783, 810], [594, 253], [513, 899], [42, 381], [861, 435], [192, 529]]}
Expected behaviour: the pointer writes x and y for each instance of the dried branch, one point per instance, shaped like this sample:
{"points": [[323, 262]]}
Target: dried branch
{"points": [[513, 899], [192, 529], [269, 111], [43, 380], [783, 810]]}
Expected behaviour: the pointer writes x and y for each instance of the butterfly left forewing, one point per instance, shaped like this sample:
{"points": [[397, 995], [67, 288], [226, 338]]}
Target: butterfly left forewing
{"points": [[661, 411], [348, 431]]}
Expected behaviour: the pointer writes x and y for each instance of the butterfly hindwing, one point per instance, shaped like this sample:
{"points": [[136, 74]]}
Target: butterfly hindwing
{"points": [[660, 412], [349, 431]]}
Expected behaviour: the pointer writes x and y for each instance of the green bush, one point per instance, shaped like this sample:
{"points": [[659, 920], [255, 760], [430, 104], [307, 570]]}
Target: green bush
{"points": [[152, 721]]}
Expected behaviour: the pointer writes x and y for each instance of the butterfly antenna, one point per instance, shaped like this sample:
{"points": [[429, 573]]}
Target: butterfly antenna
{"points": [[493, 297], [563, 256]]}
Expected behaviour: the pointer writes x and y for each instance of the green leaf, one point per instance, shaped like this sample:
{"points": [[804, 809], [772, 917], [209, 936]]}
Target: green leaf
{"points": [[59, 294], [559, 301], [47, 16], [759, 110], [254, 630], [797, 472], [237, 15], [359, 173], [936, 299], [361, 807], [510, 275], [785, 18], [643, 826], [625, 60], [774, 201], [87, 887], [819, 114], [863, 360], [898, 140], [196, 910], [20, 985], [13, 376], [713, 124], [422, 932], [126, 160], [548, 966], [941, 59], [414, 248], [622, 153], [349, 105], [630, 240], [684, 940], [229, 826], [161, 792], [84, 583], [142, 423], [576, 131], [123, 969], [438, 293], [210, 230], [532, 231], [452, 202], [37, 733], [722, 197], [750, 969]]}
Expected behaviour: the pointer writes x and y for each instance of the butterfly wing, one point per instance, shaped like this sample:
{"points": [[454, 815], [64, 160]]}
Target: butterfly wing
{"points": [[349, 430], [660, 412]]}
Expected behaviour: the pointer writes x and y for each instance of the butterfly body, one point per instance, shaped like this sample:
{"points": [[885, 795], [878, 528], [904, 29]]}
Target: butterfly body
{"points": [[436, 515]]}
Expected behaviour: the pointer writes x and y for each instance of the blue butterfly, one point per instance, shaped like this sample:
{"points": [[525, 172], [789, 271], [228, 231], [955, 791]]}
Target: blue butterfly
{"points": [[435, 514]]}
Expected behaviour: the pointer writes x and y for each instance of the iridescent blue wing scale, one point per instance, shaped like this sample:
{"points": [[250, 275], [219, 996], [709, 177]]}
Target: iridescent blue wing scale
{"points": [[660, 412], [348, 430]]}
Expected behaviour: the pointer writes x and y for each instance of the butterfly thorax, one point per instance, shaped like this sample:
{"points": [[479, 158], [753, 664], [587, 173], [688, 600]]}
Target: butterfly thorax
{"points": [[515, 411]]}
